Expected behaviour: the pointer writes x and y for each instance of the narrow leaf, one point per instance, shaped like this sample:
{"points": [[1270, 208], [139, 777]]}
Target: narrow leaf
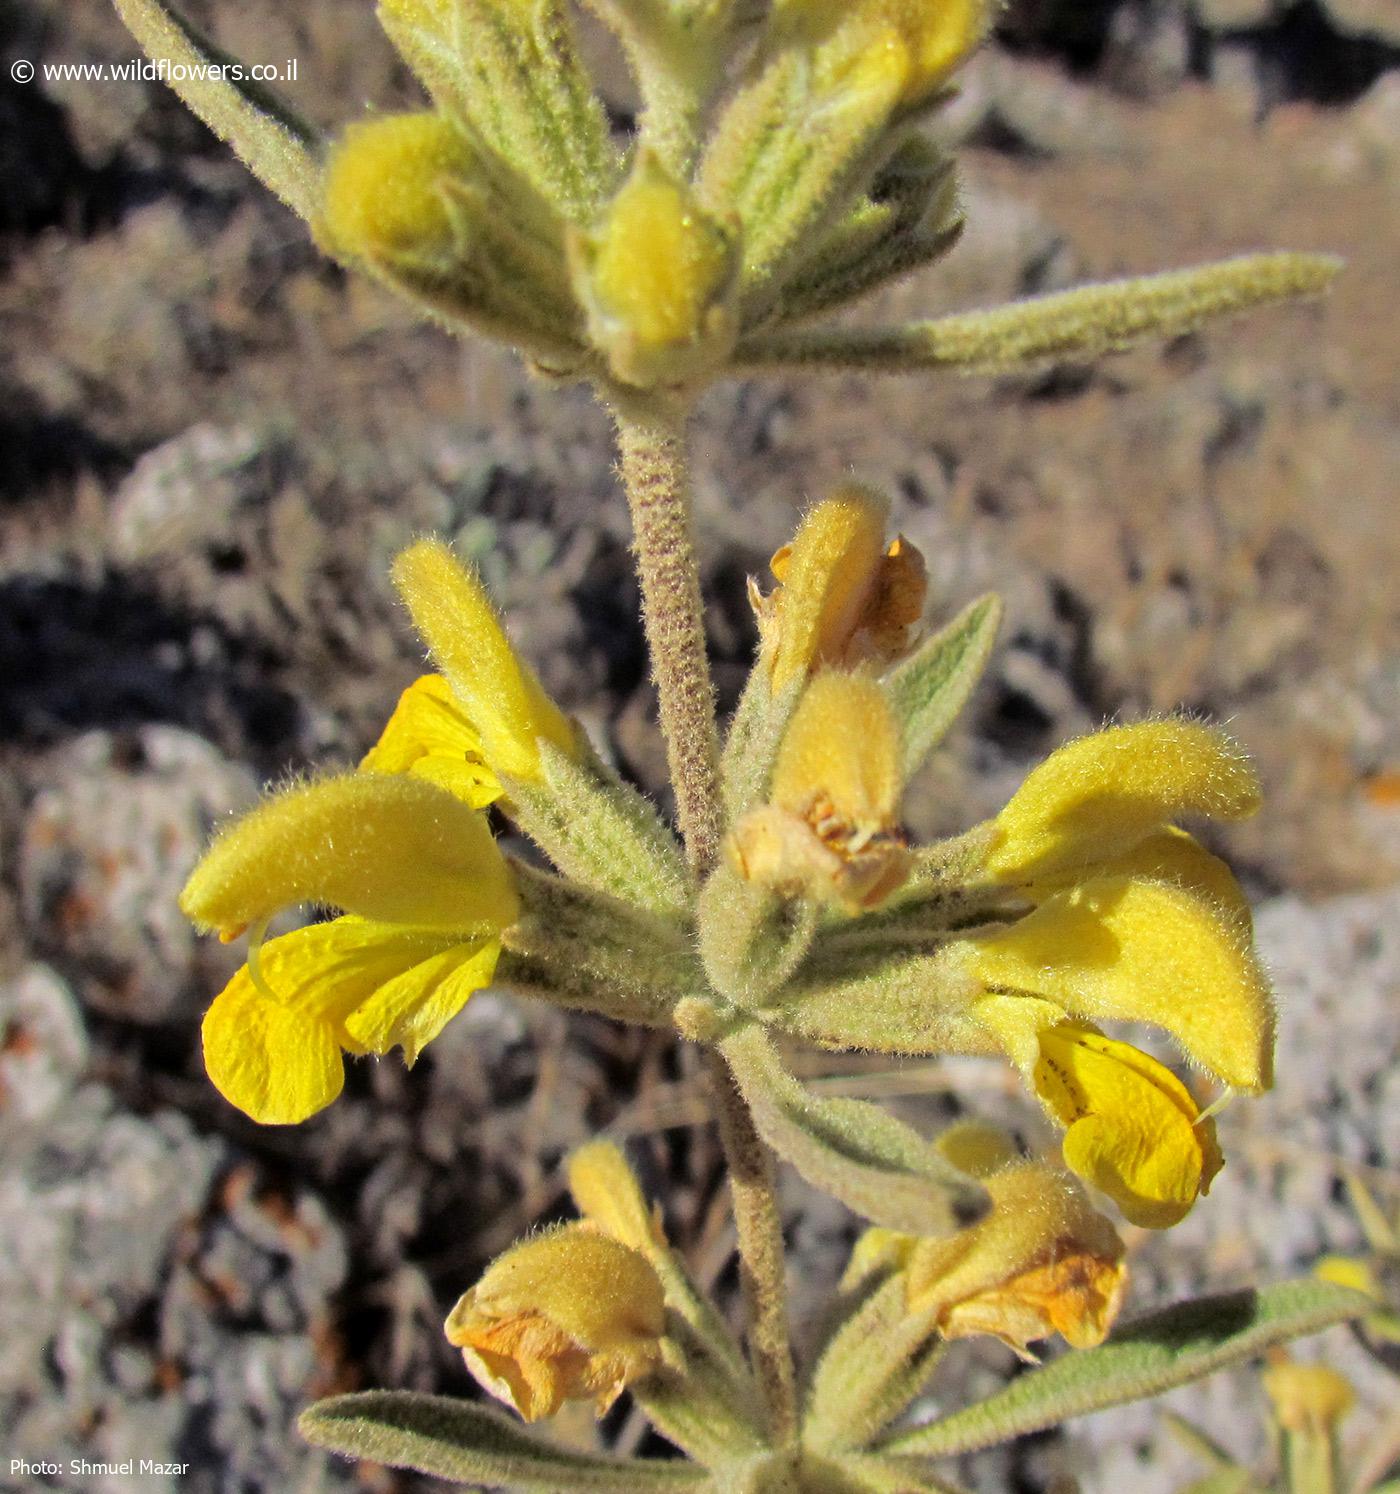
{"points": [[930, 688], [871, 1162], [272, 140], [470, 1444], [1156, 1353], [1080, 323]]}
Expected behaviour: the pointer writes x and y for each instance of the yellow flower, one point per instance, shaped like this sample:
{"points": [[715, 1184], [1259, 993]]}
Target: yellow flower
{"points": [[843, 597], [497, 691], [426, 892], [1041, 1261], [1122, 916], [829, 830], [571, 1314]]}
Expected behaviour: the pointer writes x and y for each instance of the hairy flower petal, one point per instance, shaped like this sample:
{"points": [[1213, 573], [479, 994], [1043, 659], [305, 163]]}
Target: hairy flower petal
{"points": [[1102, 794], [1117, 947], [384, 846]]}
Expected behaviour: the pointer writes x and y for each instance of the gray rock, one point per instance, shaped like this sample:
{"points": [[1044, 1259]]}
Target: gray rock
{"points": [[107, 844]]}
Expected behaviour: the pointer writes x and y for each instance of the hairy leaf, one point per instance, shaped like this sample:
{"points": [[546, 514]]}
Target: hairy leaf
{"points": [[1172, 1347], [277, 146], [1080, 323], [871, 1162], [929, 689], [470, 1444]]}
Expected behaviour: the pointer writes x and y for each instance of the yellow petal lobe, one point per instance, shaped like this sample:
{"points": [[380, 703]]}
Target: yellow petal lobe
{"points": [[498, 691], [277, 1064], [1120, 948], [1100, 795], [1133, 1129], [380, 845], [430, 736], [412, 1008], [272, 1045]]}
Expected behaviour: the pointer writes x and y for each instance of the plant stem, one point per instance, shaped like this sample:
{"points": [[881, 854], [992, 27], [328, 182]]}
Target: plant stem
{"points": [[656, 476], [761, 1254], [654, 472]]}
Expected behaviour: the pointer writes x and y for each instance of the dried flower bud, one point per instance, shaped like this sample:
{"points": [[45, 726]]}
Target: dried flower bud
{"points": [[1041, 1261], [829, 830], [842, 598], [572, 1314]]}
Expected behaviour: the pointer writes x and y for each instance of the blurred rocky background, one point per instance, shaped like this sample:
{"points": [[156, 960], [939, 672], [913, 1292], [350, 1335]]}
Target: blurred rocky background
{"points": [[211, 442]]}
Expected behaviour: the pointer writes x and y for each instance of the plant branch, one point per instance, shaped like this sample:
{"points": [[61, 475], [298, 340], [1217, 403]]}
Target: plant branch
{"points": [[761, 1252], [654, 472]]}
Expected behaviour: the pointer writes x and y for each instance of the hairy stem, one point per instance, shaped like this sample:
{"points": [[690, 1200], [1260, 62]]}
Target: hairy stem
{"points": [[654, 472], [761, 1252]]}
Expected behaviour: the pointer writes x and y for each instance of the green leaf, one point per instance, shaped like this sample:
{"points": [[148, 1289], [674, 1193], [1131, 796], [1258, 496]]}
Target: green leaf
{"points": [[470, 1444], [274, 142], [511, 72], [1165, 1349], [1224, 1481], [1080, 323], [874, 1164], [929, 690]]}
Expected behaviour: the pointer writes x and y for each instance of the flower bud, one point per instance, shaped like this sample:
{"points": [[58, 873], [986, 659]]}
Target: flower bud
{"points": [[829, 830], [657, 279], [609, 1196], [384, 197], [1307, 1398], [571, 1314], [927, 40]]}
